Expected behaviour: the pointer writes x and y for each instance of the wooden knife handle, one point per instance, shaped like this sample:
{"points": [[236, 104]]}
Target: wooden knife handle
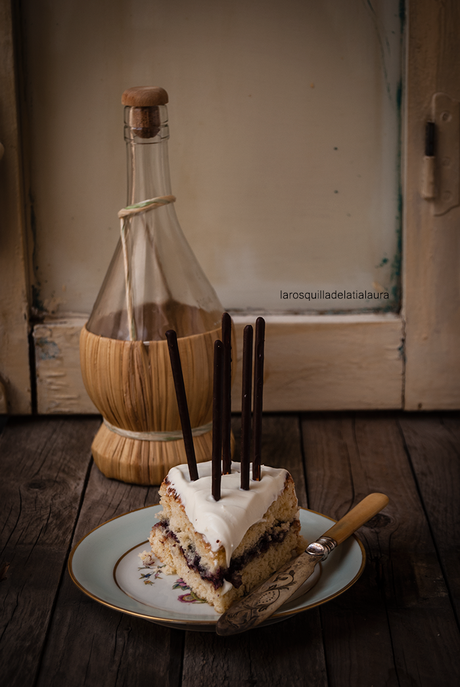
{"points": [[357, 516]]}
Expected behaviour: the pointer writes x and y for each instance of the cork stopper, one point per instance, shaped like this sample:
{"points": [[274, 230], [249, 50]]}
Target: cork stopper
{"points": [[144, 96], [144, 114]]}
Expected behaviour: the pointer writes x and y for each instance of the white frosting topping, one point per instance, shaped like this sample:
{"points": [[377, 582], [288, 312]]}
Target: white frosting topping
{"points": [[225, 522]]}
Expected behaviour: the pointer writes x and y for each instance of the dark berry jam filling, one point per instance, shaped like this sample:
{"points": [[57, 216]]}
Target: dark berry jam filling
{"points": [[233, 573]]}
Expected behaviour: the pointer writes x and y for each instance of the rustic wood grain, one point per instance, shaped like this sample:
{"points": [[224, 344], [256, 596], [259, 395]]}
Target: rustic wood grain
{"points": [[356, 635], [44, 465], [281, 447], [433, 444], [396, 625], [431, 248], [14, 287], [324, 362], [90, 644], [288, 654]]}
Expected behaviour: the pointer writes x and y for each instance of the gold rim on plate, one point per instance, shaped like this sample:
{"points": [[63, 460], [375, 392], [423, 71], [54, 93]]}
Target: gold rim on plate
{"points": [[183, 621]]}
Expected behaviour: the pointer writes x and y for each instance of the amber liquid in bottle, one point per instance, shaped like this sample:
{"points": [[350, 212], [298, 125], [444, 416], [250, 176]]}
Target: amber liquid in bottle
{"points": [[168, 287]]}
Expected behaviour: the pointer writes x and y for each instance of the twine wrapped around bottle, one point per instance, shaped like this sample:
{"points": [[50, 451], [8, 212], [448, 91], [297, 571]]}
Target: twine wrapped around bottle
{"points": [[154, 283], [131, 384], [125, 215]]}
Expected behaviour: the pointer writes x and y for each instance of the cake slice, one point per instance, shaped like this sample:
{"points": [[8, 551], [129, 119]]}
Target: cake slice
{"points": [[223, 549]]}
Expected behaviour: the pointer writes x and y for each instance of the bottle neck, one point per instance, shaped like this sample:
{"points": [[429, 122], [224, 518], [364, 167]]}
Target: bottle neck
{"points": [[146, 136]]}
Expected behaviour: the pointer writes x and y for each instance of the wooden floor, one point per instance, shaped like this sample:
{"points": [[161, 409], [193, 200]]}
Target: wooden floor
{"points": [[397, 626]]}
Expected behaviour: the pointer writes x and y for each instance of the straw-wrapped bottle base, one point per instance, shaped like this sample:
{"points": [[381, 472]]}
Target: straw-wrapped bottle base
{"points": [[131, 384], [142, 462]]}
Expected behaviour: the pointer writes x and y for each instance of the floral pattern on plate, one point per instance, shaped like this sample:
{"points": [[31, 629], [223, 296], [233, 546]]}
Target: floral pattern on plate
{"points": [[151, 564], [104, 565], [190, 598]]}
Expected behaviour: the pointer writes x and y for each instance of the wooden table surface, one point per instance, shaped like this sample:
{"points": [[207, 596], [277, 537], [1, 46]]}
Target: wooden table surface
{"points": [[398, 625]]}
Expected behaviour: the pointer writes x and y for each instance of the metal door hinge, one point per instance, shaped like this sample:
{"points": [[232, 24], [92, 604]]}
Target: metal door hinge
{"points": [[441, 178]]}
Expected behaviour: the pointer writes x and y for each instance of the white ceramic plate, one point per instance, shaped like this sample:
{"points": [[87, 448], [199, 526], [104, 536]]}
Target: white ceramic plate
{"points": [[105, 565]]}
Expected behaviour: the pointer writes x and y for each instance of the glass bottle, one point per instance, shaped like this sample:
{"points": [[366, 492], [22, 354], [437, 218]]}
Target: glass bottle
{"points": [[154, 282]]}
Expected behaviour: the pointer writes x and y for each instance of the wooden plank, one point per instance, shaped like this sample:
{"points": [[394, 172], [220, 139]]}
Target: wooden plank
{"points": [[396, 625], [281, 447], [331, 362], [356, 634], [60, 387], [288, 654], [431, 297], [14, 310], [249, 658], [92, 644], [311, 363], [44, 464], [433, 443]]}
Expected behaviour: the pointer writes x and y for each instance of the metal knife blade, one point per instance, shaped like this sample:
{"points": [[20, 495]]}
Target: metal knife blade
{"points": [[261, 603]]}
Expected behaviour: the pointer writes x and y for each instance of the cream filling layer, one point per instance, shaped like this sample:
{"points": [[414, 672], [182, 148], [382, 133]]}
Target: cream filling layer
{"points": [[225, 522]]}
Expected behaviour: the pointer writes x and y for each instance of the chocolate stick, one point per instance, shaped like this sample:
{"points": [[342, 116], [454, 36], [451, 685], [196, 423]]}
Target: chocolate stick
{"points": [[227, 394], [217, 419], [246, 406], [258, 396], [181, 397]]}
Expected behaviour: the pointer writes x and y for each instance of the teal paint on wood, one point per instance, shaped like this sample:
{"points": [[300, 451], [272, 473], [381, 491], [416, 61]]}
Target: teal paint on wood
{"points": [[46, 350]]}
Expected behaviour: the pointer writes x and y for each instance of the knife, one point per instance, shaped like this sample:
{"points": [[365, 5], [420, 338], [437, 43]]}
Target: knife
{"points": [[261, 603]]}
